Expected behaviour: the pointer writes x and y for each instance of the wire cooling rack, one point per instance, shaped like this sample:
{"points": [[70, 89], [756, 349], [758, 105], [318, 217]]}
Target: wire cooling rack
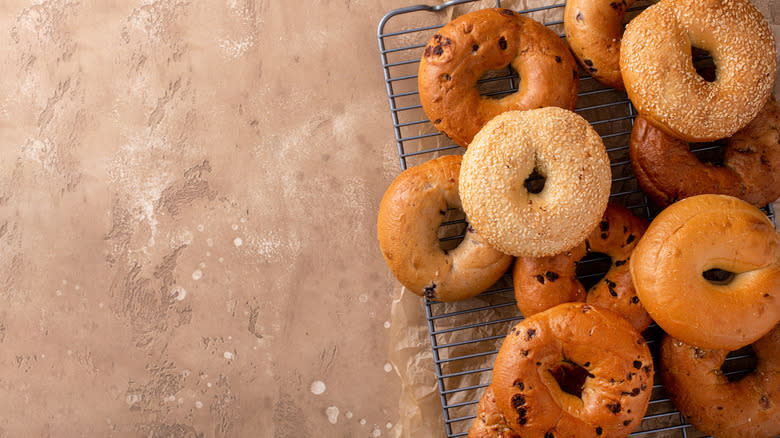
{"points": [[465, 336]]}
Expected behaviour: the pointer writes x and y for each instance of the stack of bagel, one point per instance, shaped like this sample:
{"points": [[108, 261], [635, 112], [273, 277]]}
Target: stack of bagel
{"points": [[706, 269]]}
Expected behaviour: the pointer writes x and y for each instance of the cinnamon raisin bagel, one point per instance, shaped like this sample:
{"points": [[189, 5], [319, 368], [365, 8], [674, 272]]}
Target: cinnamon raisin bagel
{"points": [[572, 371], [660, 79], [556, 143], [674, 264], [544, 282], [667, 170], [410, 214], [594, 29], [745, 408], [462, 51]]}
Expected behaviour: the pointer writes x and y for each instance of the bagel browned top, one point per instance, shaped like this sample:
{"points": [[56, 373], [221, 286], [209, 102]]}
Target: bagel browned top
{"points": [[462, 51]]}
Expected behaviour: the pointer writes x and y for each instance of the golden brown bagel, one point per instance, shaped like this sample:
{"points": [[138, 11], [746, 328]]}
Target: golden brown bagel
{"points": [[593, 30], [569, 343], [746, 408], [657, 66], [667, 170], [544, 282], [410, 214], [490, 422], [560, 145], [473, 44], [697, 235]]}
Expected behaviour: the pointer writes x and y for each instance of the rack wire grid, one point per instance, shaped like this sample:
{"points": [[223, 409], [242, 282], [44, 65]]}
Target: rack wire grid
{"points": [[465, 336]]}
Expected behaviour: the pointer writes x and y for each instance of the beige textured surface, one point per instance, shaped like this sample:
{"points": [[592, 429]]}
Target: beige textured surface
{"points": [[188, 196], [188, 193]]}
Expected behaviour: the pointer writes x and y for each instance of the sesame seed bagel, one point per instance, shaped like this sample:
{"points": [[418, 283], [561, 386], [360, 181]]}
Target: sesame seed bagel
{"points": [[745, 408], [556, 143], [673, 265], [658, 73], [410, 214], [573, 371], [667, 170], [462, 51], [593, 30]]}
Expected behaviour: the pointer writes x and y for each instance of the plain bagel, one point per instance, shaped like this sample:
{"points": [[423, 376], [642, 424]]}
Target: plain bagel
{"points": [[410, 214], [660, 79], [556, 143], [700, 236], [462, 51]]}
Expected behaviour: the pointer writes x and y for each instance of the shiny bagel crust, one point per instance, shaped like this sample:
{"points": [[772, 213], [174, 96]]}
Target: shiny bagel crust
{"points": [[660, 79], [544, 282], [411, 211], [490, 422], [746, 408], [566, 150], [696, 235], [594, 29], [667, 170], [618, 371], [469, 46]]}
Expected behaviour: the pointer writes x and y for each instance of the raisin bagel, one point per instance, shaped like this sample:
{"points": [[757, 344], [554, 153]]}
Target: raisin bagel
{"points": [[462, 51], [573, 371]]}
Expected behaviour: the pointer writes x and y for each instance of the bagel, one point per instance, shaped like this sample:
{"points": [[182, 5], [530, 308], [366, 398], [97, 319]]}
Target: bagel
{"points": [[544, 282], [574, 370], [658, 73], [410, 213], [490, 422], [554, 142], [683, 244], [594, 29], [746, 408], [466, 48], [667, 170]]}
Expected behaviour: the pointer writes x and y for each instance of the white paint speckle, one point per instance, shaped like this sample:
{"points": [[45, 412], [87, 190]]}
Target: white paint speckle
{"points": [[197, 274], [362, 421], [179, 293], [199, 404], [387, 324], [388, 367], [210, 241], [228, 355], [348, 415], [209, 384], [389, 425], [202, 265], [317, 387], [363, 298], [234, 227], [201, 227], [333, 414], [238, 241], [376, 432], [58, 293]]}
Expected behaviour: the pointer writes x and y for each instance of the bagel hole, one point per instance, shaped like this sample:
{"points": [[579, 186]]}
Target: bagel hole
{"points": [[570, 377], [535, 182], [718, 276], [592, 268], [704, 64], [739, 364], [452, 229], [496, 84]]}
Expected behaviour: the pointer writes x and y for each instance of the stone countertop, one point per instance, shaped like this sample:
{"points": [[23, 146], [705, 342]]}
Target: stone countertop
{"points": [[188, 196]]}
